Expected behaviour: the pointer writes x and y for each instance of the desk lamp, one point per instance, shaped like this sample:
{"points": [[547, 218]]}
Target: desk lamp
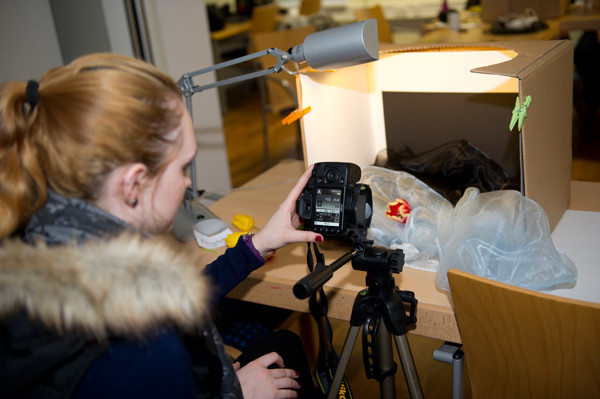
{"points": [[338, 47]]}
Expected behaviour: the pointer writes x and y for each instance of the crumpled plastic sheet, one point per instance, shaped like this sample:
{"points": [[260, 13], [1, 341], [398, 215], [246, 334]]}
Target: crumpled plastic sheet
{"points": [[418, 236], [504, 236], [500, 235]]}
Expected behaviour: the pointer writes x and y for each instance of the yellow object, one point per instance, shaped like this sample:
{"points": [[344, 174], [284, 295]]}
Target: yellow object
{"points": [[243, 222], [232, 239]]}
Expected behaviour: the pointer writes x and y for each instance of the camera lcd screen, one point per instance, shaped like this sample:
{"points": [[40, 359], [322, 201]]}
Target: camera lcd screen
{"points": [[328, 207]]}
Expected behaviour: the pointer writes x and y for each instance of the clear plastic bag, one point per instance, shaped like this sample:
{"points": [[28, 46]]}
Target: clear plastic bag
{"points": [[503, 236], [417, 237]]}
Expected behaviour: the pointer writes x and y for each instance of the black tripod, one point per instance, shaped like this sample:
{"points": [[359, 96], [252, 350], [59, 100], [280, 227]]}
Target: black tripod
{"points": [[381, 301]]}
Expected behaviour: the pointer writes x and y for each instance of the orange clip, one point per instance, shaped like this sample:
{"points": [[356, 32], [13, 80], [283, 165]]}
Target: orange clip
{"points": [[295, 115]]}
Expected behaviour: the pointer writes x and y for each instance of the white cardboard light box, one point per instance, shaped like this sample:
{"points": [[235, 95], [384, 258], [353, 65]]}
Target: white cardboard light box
{"points": [[428, 95]]}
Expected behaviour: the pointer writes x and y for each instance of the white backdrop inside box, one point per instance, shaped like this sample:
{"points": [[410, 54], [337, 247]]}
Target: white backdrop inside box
{"points": [[346, 122]]}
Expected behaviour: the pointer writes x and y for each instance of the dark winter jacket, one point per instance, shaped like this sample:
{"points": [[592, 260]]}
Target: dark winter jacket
{"points": [[89, 308]]}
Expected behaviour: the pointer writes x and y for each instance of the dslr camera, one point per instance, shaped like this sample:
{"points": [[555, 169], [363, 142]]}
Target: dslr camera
{"points": [[334, 203]]}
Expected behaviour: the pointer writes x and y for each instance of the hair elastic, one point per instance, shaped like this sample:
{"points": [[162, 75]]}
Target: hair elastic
{"points": [[33, 93]]}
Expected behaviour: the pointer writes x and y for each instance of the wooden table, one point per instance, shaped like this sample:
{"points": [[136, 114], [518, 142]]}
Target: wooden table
{"points": [[576, 19], [231, 29], [481, 33], [579, 18], [272, 284]]}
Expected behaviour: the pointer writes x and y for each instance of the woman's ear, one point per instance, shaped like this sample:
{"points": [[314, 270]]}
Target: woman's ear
{"points": [[132, 183], [122, 192]]}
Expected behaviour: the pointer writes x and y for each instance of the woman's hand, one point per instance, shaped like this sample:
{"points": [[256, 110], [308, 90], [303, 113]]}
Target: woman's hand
{"points": [[281, 229], [258, 381]]}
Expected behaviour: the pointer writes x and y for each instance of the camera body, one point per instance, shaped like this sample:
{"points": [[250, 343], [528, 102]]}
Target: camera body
{"points": [[334, 203]]}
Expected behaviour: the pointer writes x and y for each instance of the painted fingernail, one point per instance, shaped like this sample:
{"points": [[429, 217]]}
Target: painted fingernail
{"points": [[319, 239]]}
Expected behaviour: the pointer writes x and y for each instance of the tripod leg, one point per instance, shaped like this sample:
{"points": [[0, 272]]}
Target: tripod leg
{"points": [[408, 366], [343, 362], [387, 386]]}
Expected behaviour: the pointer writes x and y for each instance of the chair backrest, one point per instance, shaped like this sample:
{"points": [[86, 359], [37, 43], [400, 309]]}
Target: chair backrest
{"points": [[310, 7], [383, 27], [263, 18], [279, 98], [520, 343]]}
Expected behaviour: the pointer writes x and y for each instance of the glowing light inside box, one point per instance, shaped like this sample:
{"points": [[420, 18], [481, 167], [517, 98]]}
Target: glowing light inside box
{"points": [[443, 72], [346, 122]]}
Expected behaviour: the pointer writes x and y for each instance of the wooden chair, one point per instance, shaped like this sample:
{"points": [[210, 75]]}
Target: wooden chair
{"points": [[263, 18], [520, 343], [383, 27], [310, 7], [278, 95], [279, 98]]}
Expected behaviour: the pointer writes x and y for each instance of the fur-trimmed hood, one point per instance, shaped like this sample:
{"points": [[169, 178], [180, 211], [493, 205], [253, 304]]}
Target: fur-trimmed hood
{"points": [[126, 286]]}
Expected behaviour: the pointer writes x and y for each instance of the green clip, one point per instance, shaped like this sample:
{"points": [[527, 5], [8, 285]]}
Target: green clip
{"points": [[520, 112]]}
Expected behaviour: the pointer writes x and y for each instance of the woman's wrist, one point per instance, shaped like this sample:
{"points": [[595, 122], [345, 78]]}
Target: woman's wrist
{"points": [[249, 241], [257, 243]]}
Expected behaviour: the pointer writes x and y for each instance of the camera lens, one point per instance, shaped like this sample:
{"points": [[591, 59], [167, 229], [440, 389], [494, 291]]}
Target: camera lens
{"points": [[332, 175]]}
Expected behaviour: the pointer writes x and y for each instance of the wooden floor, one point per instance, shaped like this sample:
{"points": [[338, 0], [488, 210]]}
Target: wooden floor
{"points": [[586, 147], [244, 139], [243, 129]]}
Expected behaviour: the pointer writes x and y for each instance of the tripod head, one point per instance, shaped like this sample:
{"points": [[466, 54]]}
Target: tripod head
{"points": [[378, 262]]}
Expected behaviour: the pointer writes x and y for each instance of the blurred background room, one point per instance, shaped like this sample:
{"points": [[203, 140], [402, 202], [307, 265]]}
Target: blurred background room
{"points": [[239, 130]]}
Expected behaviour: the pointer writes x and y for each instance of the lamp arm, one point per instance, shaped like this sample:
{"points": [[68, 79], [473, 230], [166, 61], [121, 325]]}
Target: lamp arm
{"points": [[339, 47], [187, 87]]}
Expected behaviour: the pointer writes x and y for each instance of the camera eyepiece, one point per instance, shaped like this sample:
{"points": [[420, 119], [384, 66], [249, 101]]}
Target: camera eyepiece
{"points": [[332, 175]]}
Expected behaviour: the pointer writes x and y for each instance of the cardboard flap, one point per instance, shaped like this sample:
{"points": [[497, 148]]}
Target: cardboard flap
{"points": [[547, 131], [527, 53]]}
